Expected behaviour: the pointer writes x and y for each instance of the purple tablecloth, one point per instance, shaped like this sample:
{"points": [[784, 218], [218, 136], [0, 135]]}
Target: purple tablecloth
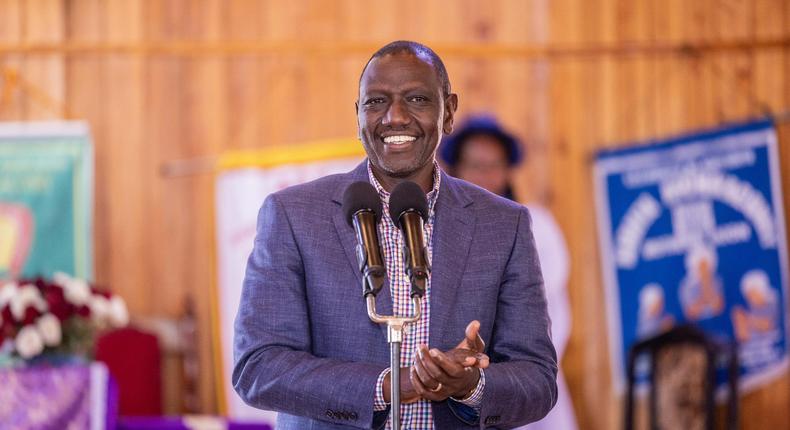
{"points": [[57, 396], [83, 396], [183, 423]]}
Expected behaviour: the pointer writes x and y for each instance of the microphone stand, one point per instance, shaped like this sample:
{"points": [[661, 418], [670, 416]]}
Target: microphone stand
{"points": [[373, 274], [394, 338]]}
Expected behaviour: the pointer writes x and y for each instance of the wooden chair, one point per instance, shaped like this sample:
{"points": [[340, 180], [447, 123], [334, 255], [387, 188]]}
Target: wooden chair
{"points": [[682, 380]]}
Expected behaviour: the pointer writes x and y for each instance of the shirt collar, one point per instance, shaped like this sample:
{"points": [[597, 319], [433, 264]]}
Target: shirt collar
{"points": [[431, 196]]}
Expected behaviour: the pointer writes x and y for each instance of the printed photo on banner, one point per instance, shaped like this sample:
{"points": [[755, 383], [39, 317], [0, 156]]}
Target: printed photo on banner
{"points": [[693, 232]]}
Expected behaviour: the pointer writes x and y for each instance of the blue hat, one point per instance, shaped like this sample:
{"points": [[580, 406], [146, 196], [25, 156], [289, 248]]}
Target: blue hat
{"points": [[476, 125]]}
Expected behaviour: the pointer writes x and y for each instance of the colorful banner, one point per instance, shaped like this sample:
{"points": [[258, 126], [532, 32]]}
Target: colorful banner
{"points": [[46, 200], [692, 231], [241, 186]]}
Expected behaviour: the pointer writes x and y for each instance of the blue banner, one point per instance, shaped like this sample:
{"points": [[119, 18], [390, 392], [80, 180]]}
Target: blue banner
{"points": [[692, 231]]}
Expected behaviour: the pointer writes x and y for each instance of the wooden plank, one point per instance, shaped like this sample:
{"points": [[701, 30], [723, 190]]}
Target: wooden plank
{"points": [[768, 83], [12, 104], [576, 87], [124, 155], [43, 75], [769, 20], [565, 23], [632, 22], [206, 133], [243, 78], [733, 19], [520, 101], [83, 22], [171, 211], [517, 21]]}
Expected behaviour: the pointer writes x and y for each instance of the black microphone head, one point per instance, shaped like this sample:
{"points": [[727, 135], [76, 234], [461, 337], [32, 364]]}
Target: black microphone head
{"points": [[408, 196], [358, 196]]}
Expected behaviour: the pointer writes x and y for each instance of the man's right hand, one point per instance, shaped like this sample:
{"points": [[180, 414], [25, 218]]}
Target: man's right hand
{"points": [[407, 392]]}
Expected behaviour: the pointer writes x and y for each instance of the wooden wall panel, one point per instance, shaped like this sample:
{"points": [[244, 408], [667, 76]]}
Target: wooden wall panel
{"points": [[245, 96], [162, 82], [11, 24], [43, 22], [125, 152]]}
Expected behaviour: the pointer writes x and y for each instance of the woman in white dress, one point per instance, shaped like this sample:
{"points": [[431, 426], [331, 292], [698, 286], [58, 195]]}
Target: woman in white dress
{"points": [[482, 152]]}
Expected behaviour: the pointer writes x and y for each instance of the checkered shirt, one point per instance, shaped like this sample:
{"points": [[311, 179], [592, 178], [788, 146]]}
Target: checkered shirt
{"points": [[418, 415]]}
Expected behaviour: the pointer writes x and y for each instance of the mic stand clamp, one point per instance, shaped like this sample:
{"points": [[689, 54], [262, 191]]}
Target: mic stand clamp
{"points": [[395, 327]]}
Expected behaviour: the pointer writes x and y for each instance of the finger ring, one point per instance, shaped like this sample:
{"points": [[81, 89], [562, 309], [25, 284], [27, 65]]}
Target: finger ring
{"points": [[438, 387]]}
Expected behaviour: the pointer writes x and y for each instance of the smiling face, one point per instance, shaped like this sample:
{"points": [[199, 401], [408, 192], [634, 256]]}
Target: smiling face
{"points": [[401, 115]]}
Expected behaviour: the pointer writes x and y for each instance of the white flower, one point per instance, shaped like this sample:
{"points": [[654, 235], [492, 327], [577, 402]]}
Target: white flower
{"points": [[61, 278], [27, 296], [100, 309], [119, 315], [7, 292], [49, 328], [76, 291], [28, 342]]}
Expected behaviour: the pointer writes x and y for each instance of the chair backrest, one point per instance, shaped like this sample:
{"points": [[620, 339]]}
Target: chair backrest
{"points": [[682, 364], [134, 360]]}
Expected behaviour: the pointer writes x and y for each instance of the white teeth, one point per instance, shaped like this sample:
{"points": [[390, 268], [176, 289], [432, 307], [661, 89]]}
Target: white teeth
{"points": [[399, 139]]}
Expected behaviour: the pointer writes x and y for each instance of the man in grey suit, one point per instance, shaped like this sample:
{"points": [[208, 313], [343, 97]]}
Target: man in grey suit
{"points": [[481, 357]]}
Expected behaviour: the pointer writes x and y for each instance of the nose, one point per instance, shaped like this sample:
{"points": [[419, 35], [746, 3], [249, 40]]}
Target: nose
{"points": [[397, 114]]}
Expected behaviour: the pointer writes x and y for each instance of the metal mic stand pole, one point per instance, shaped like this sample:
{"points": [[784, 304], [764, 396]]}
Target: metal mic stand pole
{"points": [[394, 338]]}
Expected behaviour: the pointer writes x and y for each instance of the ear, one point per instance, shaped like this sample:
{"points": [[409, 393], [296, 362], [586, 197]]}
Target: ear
{"points": [[356, 111], [450, 105]]}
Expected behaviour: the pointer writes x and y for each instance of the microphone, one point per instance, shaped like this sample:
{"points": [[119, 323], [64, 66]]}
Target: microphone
{"points": [[362, 207], [408, 209]]}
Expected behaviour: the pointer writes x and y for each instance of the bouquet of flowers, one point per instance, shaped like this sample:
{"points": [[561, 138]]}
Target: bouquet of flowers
{"points": [[59, 316]]}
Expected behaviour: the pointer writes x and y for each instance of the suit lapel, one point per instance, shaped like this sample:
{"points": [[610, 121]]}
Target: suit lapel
{"points": [[453, 230], [347, 238], [349, 242]]}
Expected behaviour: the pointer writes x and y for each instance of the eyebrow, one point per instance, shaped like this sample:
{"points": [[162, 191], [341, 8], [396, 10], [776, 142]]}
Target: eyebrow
{"points": [[409, 87]]}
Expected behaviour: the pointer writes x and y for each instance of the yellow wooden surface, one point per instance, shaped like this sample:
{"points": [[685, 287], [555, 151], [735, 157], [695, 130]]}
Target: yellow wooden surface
{"points": [[163, 81]]}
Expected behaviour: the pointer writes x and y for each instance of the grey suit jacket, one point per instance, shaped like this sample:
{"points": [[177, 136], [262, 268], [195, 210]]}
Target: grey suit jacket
{"points": [[304, 345]]}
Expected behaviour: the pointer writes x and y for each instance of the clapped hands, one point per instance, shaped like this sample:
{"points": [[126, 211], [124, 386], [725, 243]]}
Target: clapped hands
{"points": [[437, 375]]}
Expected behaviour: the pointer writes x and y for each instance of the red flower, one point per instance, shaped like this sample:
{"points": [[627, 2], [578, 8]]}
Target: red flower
{"points": [[7, 328], [40, 283], [8, 317], [31, 315], [56, 302], [97, 291], [84, 311]]}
